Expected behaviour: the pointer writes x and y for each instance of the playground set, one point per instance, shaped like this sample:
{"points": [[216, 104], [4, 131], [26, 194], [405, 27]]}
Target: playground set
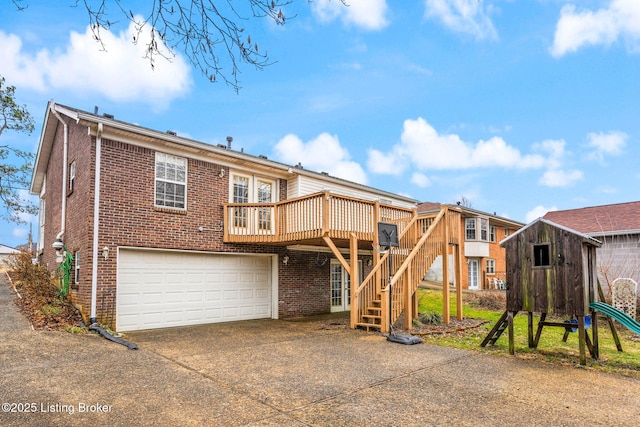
{"points": [[551, 269]]}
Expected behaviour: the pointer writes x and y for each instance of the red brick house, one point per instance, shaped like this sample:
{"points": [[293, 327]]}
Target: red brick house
{"points": [[167, 231], [617, 227], [484, 260]]}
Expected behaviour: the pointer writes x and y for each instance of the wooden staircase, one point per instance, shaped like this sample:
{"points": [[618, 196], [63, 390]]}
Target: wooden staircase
{"points": [[372, 316], [421, 240]]}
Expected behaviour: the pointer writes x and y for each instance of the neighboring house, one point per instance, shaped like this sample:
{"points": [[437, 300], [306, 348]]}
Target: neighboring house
{"points": [[5, 253], [167, 231], [617, 227], [484, 263]]}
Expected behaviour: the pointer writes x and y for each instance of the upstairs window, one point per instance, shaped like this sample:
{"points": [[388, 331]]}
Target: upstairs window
{"points": [[477, 229], [240, 195], [471, 229], [171, 181], [484, 229], [492, 233], [72, 176]]}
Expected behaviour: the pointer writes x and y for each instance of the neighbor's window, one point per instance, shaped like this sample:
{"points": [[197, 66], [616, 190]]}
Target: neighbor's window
{"points": [[541, 255], [76, 277], [492, 233], [471, 228], [477, 229], [491, 266], [484, 229], [171, 181], [72, 176]]}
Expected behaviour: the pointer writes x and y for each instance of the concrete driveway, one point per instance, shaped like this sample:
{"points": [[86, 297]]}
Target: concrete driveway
{"points": [[273, 373]]}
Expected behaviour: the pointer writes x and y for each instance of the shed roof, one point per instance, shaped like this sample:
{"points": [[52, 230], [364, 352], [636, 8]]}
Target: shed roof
{"points": [[585, 238], [621, 218]]}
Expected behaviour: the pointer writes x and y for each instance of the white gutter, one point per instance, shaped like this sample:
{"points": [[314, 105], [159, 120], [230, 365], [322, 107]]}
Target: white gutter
{"points": [[63, 214], [96, 226]]}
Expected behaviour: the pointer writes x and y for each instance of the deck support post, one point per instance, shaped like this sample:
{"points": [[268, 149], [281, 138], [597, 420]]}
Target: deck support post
{"points": [[355, 280], [446, 310]]}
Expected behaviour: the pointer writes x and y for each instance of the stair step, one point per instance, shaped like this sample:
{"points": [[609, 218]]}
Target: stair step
{"points": [[368, 326], [372, 310], [371, 316]]}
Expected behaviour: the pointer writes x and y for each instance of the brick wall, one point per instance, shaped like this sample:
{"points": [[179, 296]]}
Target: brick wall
{"points": [[128, 217]]}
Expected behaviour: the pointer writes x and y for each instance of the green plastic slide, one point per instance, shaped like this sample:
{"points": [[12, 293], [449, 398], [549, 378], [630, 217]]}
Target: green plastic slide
{"points": [[623, 318]]}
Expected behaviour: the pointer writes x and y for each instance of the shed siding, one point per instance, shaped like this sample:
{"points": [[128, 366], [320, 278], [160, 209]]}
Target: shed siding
{"points": [[559, 288]]}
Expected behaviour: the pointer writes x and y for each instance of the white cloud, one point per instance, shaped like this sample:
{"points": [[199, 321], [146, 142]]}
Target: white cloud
{"points": [[537, 212], [425, 148], [576, 29], [120, 74], [421, 180], [604, 144], [365, 14], [392, 163], [20, 233], [463, 16], [560, 178], [322, 154]]}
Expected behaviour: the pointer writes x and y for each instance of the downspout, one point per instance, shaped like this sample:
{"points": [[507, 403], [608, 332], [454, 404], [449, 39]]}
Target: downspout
{"points": [[63, 214], [94, 272], [96, 226]]}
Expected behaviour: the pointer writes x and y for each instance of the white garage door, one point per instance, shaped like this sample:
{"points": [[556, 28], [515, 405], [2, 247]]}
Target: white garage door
{"points": [[160, 289]]}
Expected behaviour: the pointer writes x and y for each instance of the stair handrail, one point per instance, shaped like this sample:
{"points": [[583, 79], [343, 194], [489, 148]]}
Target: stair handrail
{"points": [[418, 246]]}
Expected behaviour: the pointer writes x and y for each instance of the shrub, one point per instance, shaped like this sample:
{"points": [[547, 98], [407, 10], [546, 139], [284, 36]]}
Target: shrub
{"points": [[431, 318], [35, 276]]}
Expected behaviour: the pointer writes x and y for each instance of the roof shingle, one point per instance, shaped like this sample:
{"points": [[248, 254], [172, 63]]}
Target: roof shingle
{"points": [[599, 219]]}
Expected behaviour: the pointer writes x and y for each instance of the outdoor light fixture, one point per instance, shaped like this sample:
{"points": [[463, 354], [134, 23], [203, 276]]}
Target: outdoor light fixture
{"points": [[58, 245], [105, 252], [221, 174], [285, 260]]}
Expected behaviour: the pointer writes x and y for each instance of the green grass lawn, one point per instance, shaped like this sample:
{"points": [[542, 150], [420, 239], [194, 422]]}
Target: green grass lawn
{"points": [[550, 349]]}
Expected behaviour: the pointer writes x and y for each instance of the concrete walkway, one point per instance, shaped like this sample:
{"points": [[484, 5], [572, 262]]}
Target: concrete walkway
{"points": [[11, 320]]}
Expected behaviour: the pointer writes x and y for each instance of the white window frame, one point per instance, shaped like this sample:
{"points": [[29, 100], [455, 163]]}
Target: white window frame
{"points": [[467, 229], [491, 266], [41, 214], [492, 233], [177, 162], [76, 260], [484, 229], [480, 229], [261, 219], [72, 176]]}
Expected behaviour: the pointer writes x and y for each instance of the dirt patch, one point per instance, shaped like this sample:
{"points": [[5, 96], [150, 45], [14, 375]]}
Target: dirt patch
{"points": [[45, 312]]}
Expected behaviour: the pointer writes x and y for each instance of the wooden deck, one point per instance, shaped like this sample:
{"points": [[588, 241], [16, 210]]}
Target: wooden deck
{"points": [[336, 221], [309, 219]]}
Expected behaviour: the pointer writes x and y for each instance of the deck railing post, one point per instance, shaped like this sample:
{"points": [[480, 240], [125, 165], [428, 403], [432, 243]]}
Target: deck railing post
{"points": [[446, 313]]}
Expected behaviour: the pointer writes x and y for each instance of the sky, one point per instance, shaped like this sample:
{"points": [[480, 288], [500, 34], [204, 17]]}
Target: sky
{"points": [[519, 107]]}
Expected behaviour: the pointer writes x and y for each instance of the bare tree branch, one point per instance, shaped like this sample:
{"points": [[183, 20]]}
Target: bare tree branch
{"points": [[209, 33], [14, 177]]}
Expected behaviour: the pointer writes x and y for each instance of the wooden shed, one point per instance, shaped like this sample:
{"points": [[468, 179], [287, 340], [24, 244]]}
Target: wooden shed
{"points": [[550, 269]]}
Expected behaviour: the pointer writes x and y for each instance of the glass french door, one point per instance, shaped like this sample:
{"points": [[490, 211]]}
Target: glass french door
{"points": [[340, 287], [474, 274]]}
